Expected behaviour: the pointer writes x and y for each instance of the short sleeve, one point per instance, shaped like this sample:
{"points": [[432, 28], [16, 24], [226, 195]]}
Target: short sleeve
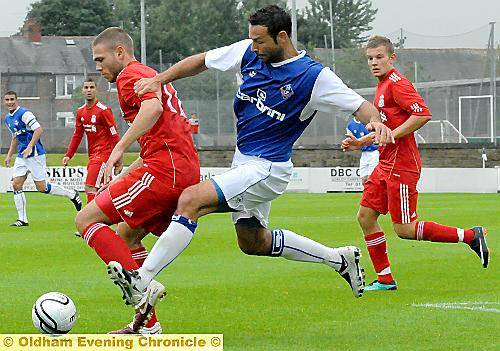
{"points": [[227, 58], [125, 85], [30, 120], [329, 91], [409, 99]]}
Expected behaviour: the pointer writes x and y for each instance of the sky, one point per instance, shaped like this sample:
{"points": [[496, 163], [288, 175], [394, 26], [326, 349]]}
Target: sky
{"points": [[425, 23]]}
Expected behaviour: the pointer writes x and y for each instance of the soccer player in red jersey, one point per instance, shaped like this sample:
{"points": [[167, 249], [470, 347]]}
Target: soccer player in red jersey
{"points": [[96, 121], [392, 187], [145, 196]]}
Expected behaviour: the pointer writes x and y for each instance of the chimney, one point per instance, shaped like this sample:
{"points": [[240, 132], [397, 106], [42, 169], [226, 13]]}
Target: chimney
{"points": [[32, 30]]}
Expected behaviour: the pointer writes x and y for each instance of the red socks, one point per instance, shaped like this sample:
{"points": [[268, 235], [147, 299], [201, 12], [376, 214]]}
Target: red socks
{"points": [[108, 245], [377, 248], [432, 231], [139, 255]]}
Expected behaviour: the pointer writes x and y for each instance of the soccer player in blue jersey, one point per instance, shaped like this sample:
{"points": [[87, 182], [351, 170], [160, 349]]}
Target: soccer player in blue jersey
{"points": [[26, 132], [281, 92], [369, 154]]}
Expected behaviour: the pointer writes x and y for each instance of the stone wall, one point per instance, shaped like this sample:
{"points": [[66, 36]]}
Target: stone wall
{"points": [[433, 156]]}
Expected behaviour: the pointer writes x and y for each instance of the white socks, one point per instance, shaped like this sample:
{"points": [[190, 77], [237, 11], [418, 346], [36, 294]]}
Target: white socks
{"points": [[57, 190], [292, 246], [20, 201], [168, 246]]}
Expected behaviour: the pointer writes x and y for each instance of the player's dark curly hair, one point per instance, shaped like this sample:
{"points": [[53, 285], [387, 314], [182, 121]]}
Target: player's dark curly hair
{"points": [[274, 18]]}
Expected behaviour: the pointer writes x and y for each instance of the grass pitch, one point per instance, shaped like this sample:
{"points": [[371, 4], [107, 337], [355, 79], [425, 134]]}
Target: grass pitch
{"points": [[271, 303]]}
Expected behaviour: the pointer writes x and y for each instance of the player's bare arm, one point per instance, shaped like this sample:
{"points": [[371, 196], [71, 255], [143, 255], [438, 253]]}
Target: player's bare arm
{"points": [[36, 136], [351, 143], [148, 114], [412, 124], [368, 114], [188, 67], [12, 149]]}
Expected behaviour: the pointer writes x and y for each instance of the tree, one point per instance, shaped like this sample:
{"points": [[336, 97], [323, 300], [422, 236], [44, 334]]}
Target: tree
{"points": [[351, 18], [248, 7], [69, 17]]}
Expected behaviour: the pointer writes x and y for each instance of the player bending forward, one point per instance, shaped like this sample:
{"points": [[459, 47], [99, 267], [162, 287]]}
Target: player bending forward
{"points": [[392, 187], [145, 197], [281, 92]]}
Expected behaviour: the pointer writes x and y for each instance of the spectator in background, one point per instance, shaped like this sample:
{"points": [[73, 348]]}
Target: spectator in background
{"points": [[195, 126], [369, 154]]}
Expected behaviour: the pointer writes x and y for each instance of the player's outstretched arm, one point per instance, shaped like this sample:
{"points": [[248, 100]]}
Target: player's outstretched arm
{"points": [[412, 124], [190, 66], [146, 118], [369, 115]]}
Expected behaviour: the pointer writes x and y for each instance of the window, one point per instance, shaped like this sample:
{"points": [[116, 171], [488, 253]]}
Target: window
{"points": [[24, 85], [65, 85]]}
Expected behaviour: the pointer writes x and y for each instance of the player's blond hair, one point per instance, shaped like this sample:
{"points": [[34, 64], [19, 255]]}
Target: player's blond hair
{"points": [[114, 37], [377, 41]]}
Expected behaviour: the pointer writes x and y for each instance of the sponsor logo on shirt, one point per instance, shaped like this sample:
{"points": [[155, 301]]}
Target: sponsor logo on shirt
{"points": [[383, 117], [90, 128], [258, 101], [128, 213], [286, 91]]}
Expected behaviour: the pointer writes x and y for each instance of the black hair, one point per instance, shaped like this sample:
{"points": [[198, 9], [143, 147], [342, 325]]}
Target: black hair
{"points": [[274, 18]]}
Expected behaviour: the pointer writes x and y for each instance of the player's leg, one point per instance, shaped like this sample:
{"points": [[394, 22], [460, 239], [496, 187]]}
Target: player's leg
{"points": [[255, 239], [94, 179], [133, 238], [19, 177], [403, 209], [36, 165], [194, 202], [373, 203]]}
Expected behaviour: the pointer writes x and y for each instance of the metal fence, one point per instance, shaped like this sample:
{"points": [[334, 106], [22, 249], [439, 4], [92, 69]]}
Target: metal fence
{"points": [[448, 79]]}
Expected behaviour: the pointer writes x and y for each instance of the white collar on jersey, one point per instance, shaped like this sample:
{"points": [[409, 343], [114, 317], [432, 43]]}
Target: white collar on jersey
{"points": [[301, 54], [12, 114]]}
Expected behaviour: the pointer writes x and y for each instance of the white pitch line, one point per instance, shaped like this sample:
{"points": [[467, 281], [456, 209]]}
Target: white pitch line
{"points": [[471, 306]]}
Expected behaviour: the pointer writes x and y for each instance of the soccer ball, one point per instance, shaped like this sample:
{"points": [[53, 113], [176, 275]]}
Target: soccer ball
{"points": [[54, 313]]}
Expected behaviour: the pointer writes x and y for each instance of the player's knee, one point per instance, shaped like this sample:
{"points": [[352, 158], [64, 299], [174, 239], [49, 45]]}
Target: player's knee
{"points": [[187, 205], [81, 222], [17, 185], [363, 218], [255, 246]]}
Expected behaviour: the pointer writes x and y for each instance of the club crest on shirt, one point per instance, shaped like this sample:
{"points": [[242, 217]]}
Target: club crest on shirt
{"points": [[93, 119], [252, 74], [381, 101], [286, 91]]}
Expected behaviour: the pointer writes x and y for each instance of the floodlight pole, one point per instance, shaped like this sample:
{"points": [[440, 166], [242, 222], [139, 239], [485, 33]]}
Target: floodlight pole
{"points": [[493, 83], [332, 37], [294, 23], [143, 32]]}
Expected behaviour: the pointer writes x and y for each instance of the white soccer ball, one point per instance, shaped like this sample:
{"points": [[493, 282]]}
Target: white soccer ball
{"points": [[54, 313]]}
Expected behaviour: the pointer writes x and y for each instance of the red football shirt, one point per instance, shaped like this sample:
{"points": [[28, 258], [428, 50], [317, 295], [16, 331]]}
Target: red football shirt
{"points": [[171, 132], [98, 124], [396, 99]]}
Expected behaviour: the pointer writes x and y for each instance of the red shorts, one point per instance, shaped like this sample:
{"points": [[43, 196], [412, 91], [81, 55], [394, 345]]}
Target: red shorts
{"points": [[395, 193], [95, 174], [140, 199]]}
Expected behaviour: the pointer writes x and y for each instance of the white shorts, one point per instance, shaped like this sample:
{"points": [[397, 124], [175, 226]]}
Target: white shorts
{"points": [[367, 163], [36, 165], [251, 184]]}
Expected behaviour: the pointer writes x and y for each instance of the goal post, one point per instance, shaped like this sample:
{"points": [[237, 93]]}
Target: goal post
{"points": [[475, 97]]}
